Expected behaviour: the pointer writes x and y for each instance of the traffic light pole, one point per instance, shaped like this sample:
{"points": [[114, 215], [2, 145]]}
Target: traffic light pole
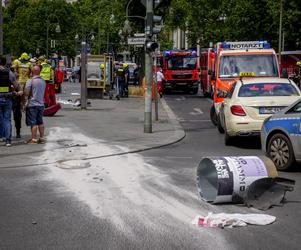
{"points": [[83, 76], [156, 87], [148, 73]]}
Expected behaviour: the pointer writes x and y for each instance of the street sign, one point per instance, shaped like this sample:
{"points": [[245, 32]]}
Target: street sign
{"points": [[136, 40], [139, 35]]}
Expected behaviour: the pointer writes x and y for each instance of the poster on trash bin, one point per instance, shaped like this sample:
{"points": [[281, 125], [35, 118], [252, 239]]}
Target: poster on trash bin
{"points": [[246, 170], [225, 179]]}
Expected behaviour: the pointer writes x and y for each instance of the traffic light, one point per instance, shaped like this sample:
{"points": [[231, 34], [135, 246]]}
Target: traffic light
{"points": [[153, 21], [151, 46]]}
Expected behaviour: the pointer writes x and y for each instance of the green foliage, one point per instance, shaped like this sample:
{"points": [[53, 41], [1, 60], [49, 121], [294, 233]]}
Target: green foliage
{"points": [[25, 23], [217, 20]]}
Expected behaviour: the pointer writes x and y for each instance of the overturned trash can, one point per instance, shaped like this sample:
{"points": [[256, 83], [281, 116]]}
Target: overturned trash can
{"points": [[226, 179]]}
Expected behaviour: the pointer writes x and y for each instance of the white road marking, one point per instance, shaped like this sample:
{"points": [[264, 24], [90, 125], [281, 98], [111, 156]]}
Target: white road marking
{"points": [[182, 98], [179, 157], [209, 100], [198, 111], [198, 120]]}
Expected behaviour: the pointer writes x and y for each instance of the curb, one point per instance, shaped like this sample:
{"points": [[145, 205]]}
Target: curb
{"points": [[180, 134]]}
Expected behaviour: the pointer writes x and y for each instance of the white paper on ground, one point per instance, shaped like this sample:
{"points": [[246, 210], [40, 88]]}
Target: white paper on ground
{"points": [[232, 220]]}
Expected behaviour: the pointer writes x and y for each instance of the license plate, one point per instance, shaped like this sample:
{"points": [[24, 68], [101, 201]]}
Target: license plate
{"points": [[269, 110], [181, 83]]}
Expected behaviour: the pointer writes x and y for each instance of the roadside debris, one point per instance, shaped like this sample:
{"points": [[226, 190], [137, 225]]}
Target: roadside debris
{"points": [[250, 180], [224, 220], [75, 103], [267, 192]]}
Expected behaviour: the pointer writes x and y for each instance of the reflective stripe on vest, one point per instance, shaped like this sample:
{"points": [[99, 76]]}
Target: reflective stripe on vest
{"points": [[5, 85], [45, 72]]}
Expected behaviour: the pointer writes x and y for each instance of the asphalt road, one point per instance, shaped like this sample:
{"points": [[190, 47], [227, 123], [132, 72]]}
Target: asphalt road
{"points": [[149, 203], [203, 139]]}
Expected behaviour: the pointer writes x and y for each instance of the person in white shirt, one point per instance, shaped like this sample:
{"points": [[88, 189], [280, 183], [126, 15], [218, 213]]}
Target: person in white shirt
{"points": [[160, 78]]}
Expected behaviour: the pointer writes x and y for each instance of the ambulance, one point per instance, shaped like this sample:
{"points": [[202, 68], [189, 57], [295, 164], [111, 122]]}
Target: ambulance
{"points": [[235, 59]]}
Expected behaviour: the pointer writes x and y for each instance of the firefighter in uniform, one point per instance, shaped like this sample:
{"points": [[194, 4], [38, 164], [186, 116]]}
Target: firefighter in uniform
{"points": [[121, 78], [22, 69], [126, 80], [47, 75]]}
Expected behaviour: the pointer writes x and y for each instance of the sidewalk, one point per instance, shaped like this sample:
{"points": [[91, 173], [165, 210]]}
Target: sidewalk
{"points": [[117, 124]]}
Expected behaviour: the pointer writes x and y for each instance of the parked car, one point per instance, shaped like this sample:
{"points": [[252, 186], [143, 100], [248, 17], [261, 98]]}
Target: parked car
{"points": [[252, 100], [281, 136]]}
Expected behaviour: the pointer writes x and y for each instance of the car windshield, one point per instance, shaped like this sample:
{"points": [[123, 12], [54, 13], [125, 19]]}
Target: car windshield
{"points": [[267, 89], [260, 65], [182, 62]]}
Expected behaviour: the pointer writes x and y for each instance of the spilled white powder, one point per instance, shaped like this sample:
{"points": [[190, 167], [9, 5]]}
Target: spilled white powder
{"points": [[117, 186]]}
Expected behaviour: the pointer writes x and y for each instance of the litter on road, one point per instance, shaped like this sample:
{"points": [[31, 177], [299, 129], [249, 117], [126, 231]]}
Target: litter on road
{"points": [[267, 192], [250, 180], [223, 220]]}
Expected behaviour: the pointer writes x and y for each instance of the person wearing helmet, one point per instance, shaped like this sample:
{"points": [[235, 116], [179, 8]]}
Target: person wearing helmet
{"points": [[22, 69], [120, 80], [47, 75], [297, 77]]}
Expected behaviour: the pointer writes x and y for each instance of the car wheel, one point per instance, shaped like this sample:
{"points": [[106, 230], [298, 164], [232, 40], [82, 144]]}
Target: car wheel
{"points": [[213, 115], [281, 152], [228, 139], [219, 125]]}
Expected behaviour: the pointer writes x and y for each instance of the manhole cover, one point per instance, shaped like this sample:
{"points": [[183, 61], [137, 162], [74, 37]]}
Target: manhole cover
{"points": [[73, 164]]}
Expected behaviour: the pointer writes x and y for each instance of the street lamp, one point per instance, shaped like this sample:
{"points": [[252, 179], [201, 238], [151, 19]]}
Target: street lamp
{"points": [[112, 21], [57, 30], [280, 30]]}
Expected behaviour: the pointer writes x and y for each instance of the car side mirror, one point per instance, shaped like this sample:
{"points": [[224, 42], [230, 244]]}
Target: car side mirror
{"points": [[222, 94], [284, 73]]}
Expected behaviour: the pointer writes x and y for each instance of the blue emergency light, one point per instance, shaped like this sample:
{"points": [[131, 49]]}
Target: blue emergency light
{"points": [[167, 53]]}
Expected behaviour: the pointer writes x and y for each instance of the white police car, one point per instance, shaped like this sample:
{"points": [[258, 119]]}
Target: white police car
{"points": [[281, 136]]}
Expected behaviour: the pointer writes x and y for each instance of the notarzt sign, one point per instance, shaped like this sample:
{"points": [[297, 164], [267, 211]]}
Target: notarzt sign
{"points": [[246, 45]]}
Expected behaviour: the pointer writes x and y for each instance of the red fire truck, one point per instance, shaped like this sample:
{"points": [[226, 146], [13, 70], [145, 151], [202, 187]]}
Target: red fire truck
{"points": [[229, 59], [207, 66], [289, 65], [180, 69]]}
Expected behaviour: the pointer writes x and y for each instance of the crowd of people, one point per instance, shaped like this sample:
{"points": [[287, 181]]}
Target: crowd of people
{"points": [[26, 86]]}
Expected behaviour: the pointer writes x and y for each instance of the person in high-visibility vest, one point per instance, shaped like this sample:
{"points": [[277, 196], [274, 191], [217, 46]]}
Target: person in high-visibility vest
{"points": [[22, 69], [47, 75]]}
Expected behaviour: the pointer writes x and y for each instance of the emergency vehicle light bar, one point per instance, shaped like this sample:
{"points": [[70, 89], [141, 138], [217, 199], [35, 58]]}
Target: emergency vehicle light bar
{"points": [[180, 53], [246, 45]]}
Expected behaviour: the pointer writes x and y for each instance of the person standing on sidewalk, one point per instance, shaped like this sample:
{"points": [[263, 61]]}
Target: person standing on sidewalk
{"points": [[22, 68], [34, 91], [160, 78], [7, 91]]}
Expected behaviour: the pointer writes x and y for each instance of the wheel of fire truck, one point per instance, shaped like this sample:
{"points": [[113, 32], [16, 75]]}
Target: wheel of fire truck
{"points": [[213, 115], [194, 91]]}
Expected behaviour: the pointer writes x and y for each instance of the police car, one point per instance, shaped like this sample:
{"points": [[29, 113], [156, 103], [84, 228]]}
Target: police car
{"points": [[281, 136]]}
